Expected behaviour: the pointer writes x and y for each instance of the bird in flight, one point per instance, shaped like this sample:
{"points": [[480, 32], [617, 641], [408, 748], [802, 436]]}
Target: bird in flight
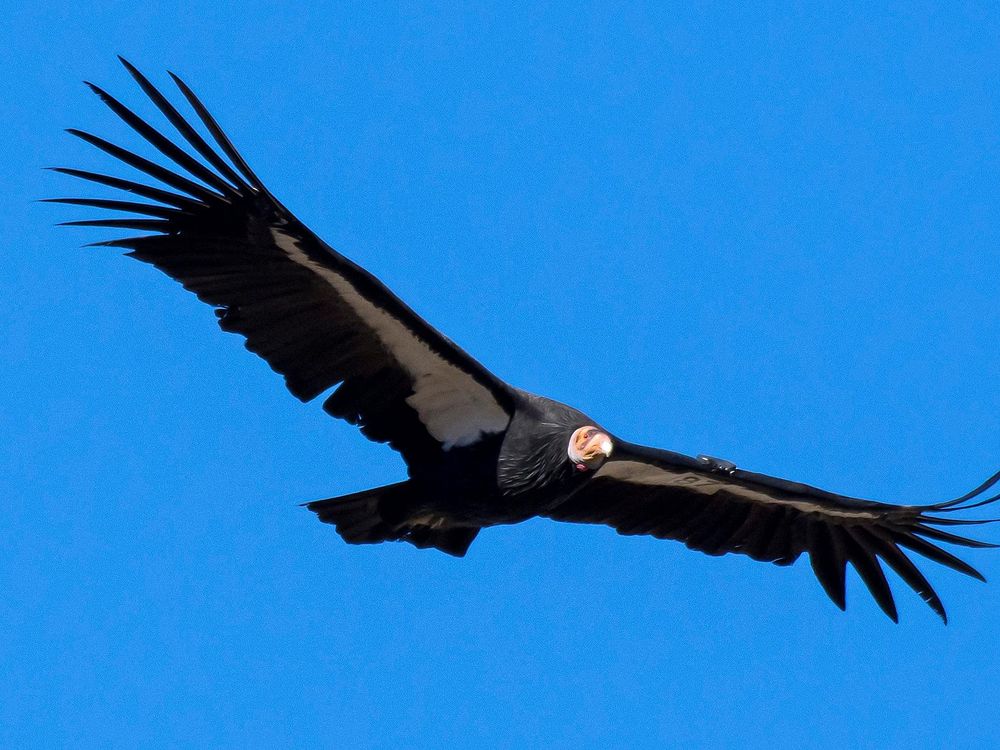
{"points": [[478, 452]]}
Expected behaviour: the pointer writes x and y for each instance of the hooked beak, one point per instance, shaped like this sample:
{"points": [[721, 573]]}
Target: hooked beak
{"points": [[589, 448]]}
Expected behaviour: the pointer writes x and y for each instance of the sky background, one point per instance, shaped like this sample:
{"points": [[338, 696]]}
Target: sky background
{"points": [[765, 233]]}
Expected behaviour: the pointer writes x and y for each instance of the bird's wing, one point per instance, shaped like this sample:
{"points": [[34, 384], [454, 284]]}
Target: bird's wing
{"points": [[712, 506], [313, 315]]}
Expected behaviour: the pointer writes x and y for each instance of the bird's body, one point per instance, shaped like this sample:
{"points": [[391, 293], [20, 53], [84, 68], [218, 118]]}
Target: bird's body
{"points": [[502, 478], [478, 451]]}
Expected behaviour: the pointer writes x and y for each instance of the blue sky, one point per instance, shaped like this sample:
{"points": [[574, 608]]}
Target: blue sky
{"points": [[765, 234]]}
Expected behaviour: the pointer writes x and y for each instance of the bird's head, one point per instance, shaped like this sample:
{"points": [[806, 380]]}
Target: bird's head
{"points": [[589, 447]]}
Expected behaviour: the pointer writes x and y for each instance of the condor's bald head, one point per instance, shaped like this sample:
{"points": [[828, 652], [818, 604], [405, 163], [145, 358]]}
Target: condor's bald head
{"points": [[589, 447]]}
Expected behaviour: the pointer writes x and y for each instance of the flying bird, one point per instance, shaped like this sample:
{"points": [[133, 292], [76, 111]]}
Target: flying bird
{"points": [[478, 451]]}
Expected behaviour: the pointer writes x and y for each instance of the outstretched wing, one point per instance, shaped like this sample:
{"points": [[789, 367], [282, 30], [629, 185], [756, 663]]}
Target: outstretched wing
{"points": [[312, 314], [712, 506]]}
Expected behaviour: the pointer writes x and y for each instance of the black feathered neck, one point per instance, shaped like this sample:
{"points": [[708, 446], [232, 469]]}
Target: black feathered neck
{"points": [[533, 457]]}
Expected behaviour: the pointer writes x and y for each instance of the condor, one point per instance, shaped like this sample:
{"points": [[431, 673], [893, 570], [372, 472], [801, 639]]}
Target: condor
{"points": [[478, 451]]}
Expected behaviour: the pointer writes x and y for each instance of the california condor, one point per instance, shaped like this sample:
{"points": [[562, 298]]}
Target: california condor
{"points": [[478, 451]]}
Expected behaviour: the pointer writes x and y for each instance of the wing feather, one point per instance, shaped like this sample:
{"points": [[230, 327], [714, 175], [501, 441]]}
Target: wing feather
{"points": [[867, 565], [828, 559]]}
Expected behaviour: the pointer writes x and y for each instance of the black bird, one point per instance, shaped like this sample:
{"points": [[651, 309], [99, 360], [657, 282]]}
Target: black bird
{"points": [[478, 451]]}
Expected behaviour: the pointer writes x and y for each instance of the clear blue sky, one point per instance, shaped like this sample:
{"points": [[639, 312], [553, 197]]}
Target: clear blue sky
{"points": [[770, 235]]}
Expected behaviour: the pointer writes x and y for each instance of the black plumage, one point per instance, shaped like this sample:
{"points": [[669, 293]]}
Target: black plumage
{"points": [[478, 451]]}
